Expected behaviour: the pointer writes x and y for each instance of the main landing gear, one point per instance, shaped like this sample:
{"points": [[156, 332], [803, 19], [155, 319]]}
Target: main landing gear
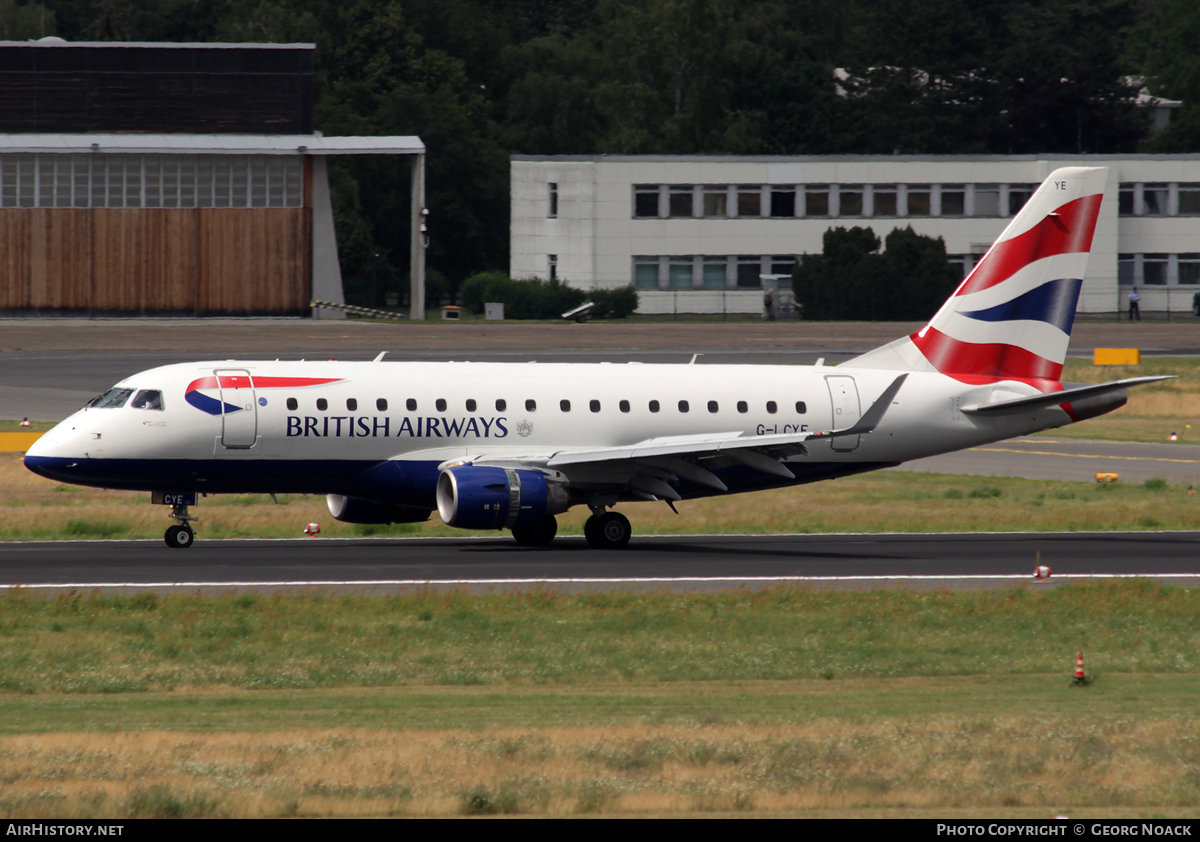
{"points": [[603, 530], [180, 535], [607, 530]]}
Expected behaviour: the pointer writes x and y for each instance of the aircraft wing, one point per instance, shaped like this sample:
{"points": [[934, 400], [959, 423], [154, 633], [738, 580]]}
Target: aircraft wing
{"points": [[645, 468]]}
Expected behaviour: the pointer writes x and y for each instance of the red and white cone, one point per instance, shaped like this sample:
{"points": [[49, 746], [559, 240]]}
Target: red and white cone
{"points": [[1080, 675], [312, 530], [1041, 572]]}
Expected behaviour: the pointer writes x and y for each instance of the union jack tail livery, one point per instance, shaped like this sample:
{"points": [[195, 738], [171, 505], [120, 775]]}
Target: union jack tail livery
{"points": [[1011, 318]]}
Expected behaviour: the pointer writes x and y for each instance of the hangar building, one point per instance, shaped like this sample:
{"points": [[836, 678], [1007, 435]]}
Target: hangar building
{"points": [[167, 179]]}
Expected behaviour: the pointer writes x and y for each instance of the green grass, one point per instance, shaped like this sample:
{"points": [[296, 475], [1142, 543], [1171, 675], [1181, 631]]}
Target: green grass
{"points": [[141, 644]]}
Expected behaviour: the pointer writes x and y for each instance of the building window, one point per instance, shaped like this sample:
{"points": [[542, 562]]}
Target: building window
{"points": [[783, 264], [783, 201], [1154, 269], [884, 196], [749, 198], [1018, 195], [679, 272], [645, 272], [1126, 269], [645, 200], [1125, 200], [553, 261], [1189, 269], [1154, 200], [953, 200], [681, 201], [816, 200], [1189, 199], [553, 201], [987, 200], [714, 272], [963, 263], [749, 267], [850, 200], [917, 200], [716, 198]]}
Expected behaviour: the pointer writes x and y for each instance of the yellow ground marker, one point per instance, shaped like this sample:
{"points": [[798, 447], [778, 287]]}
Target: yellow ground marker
{"points": [[17, 442], [1116, 356]]}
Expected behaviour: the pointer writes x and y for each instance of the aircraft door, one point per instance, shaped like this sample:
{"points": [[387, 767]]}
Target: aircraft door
{"points": [[843, 394], [239, 408]]}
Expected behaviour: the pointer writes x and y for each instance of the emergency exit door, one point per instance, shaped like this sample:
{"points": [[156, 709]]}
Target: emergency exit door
{"points": [[843, 394]]}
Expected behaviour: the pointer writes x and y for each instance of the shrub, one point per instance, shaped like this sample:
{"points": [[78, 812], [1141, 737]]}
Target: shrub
{"points": [[533, 298]]}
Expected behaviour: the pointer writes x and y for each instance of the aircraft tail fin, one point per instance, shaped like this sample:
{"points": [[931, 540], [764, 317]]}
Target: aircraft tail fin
{"points": [[1011, 318]]}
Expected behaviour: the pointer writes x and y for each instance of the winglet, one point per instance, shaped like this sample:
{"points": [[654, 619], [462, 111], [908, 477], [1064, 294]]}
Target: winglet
{"points": [[871, 418]]}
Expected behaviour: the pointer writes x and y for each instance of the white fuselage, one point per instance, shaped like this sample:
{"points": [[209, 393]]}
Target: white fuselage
{"points": [[416, 416]]}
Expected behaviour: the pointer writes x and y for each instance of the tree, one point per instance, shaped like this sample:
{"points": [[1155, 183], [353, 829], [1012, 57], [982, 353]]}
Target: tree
{"points": [[851, 280]]}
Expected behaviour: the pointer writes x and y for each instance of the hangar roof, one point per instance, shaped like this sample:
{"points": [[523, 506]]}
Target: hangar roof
{"points": [[210, 144]]}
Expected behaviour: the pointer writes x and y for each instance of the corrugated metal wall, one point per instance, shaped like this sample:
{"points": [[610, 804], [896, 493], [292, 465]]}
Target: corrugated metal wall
{"points": [[201, 261]]}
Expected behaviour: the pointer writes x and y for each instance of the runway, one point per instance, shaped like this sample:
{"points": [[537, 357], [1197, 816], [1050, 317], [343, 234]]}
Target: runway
{"points": [[680, 563]]}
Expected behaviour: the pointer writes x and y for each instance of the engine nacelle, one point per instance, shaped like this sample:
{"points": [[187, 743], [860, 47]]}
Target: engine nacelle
{"points": [[471, 497], [356, 510]]}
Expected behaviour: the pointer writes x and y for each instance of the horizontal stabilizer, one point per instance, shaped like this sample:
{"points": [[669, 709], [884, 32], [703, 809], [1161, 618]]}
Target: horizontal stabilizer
{"points": [[1019, 405]]}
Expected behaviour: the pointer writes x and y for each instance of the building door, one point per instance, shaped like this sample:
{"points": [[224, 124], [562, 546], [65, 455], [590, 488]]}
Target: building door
{"points": [[843, 394], [239, 408]]}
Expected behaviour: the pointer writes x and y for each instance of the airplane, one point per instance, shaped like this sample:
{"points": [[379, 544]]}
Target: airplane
{"points": [[502, 446]]}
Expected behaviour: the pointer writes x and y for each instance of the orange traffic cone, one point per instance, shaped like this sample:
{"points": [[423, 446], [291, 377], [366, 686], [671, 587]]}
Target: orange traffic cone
{"points": [[1081, 678]]}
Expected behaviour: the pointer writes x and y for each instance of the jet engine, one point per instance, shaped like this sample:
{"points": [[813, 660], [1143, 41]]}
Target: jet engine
{"points": [[357, 510], [471, 497]]}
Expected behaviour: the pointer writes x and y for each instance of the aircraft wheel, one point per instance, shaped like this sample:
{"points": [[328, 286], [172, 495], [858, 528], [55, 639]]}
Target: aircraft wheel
{"points": [[179, 537], [591, 531], [538, 535], [612, 531]]}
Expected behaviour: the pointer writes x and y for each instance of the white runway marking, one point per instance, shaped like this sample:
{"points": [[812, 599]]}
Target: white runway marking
{"points": [[642, 580]]}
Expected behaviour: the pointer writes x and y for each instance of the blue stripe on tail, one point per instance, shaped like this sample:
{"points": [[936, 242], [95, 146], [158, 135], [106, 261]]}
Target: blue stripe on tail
{"points": [[1053, 302]]}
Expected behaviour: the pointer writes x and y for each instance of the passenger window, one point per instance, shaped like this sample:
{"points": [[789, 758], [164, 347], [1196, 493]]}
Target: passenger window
{"points": [[654, 406], [148, 399], [292, 404], [683, 406], [594, 406], [801, 408], [440, 403], [322, 404], [712, 406], [624, 405], [381, 404], [351, 404], [565, 406], [411, 404], [470, 405], [771, 407], [743, 407], [531, 405], [501, 404]]}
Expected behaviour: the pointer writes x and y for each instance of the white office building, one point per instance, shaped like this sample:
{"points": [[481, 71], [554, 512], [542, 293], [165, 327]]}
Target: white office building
{"points": [[695, 234]]}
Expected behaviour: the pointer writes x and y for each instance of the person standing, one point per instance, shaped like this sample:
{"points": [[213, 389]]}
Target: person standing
{"points": [[1134, 312]]}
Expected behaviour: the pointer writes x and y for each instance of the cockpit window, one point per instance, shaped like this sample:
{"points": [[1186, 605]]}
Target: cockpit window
{"points": [[112, 399], [148, 399]]}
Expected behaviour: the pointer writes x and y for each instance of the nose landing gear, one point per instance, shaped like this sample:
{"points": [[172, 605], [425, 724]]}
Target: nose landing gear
{"points": [[180, 536]]}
